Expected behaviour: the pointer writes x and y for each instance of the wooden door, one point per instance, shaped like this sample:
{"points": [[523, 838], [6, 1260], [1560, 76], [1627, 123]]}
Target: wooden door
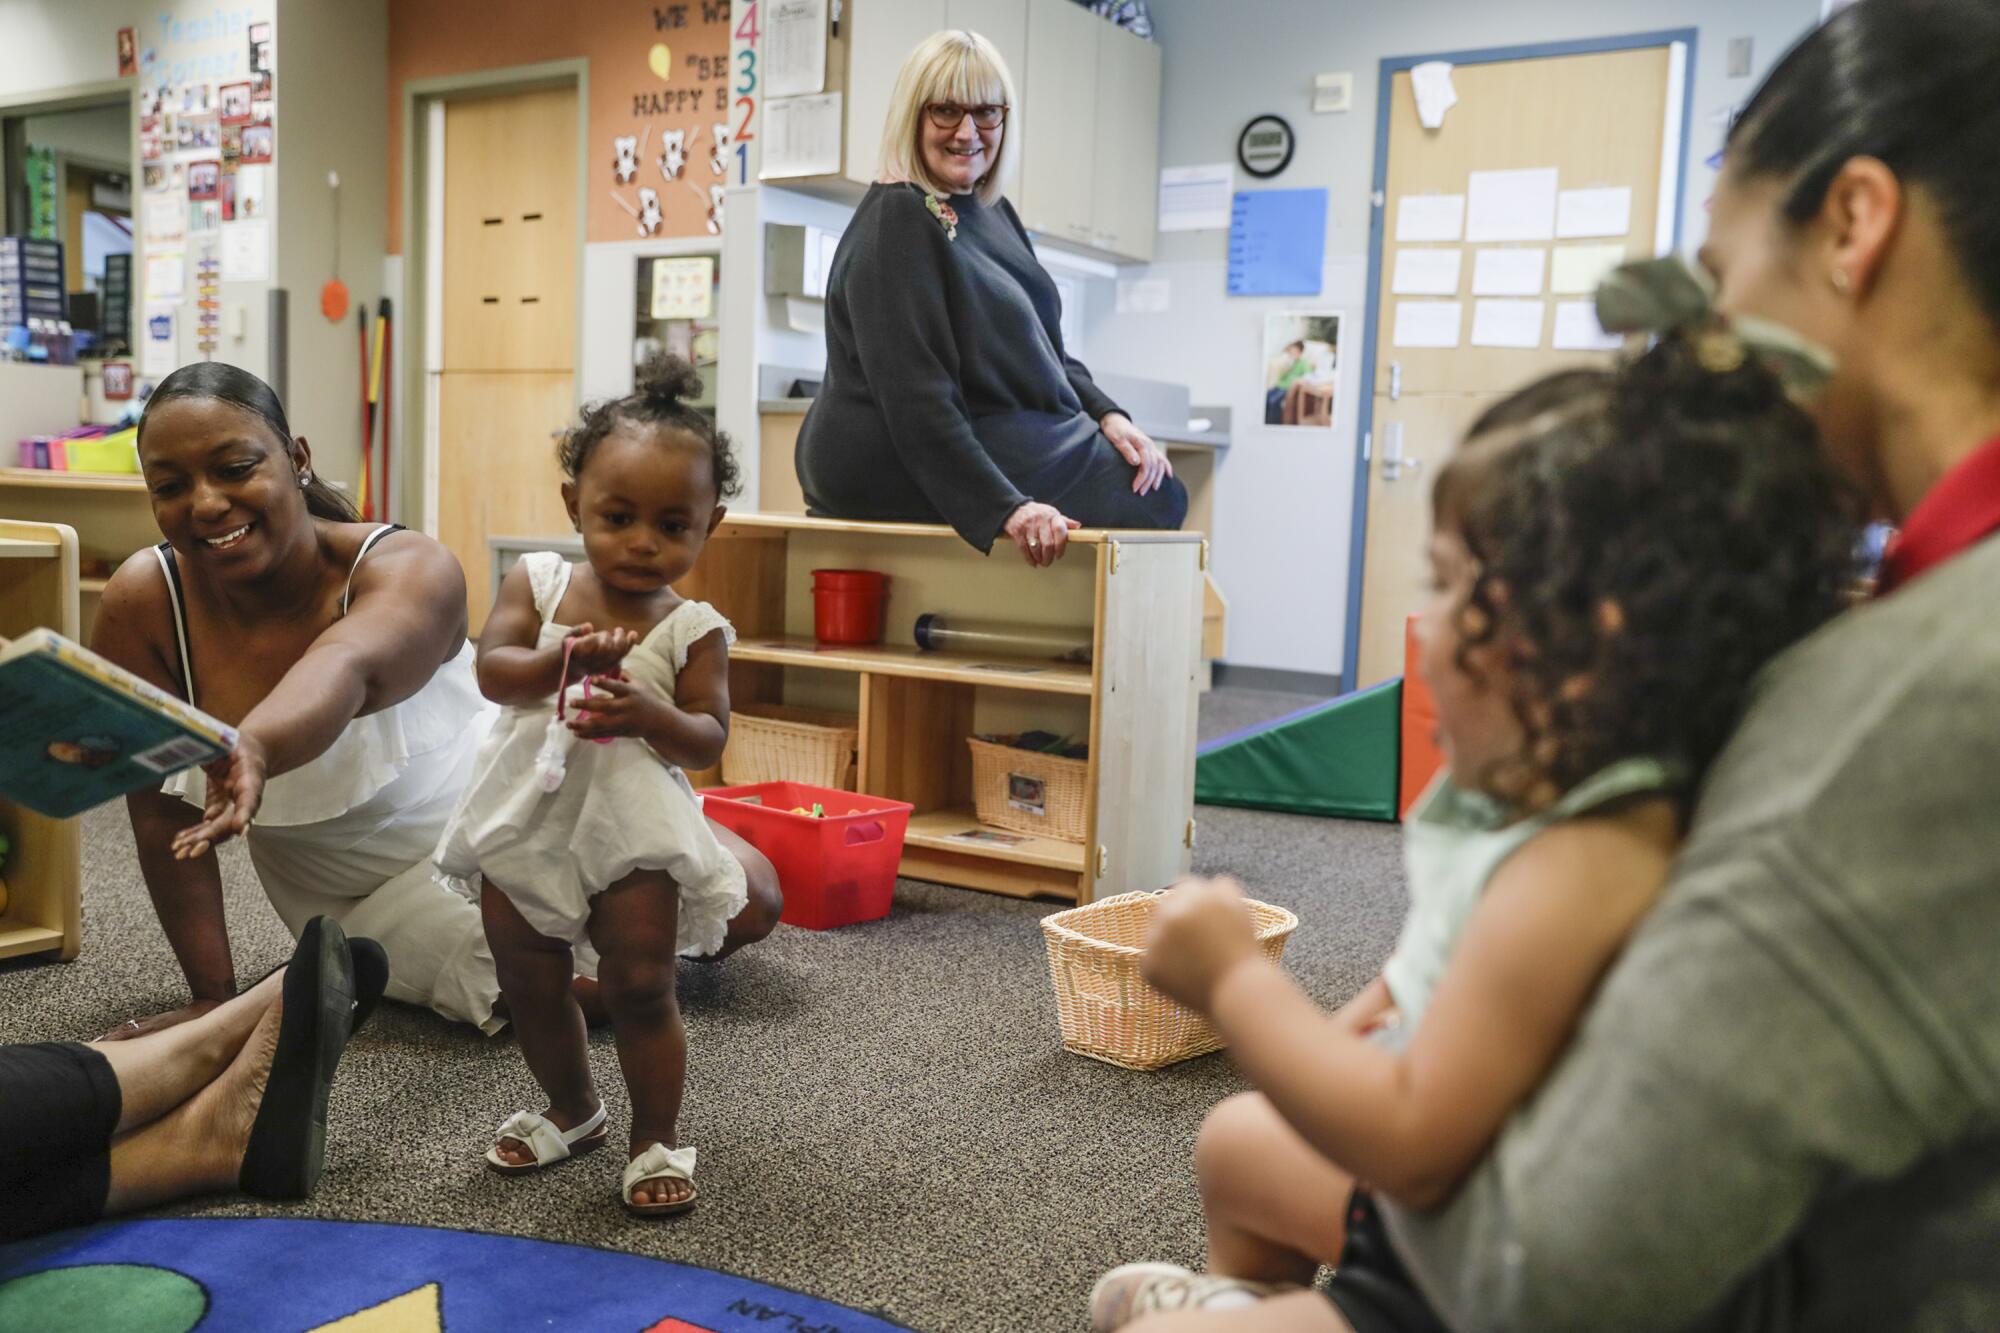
{"points": [[507, 384], [1058, 143], [1511, 115]]}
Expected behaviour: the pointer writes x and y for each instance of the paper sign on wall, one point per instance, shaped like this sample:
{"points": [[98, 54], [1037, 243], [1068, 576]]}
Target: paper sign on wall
{"points": [[1277, 242], [1427, 323], [1600, 212], [1429, 217], [1196, 198], [166, 274], [1577, 329], [1507, 324], [246, 252], [794, 47], [801, 137], [1511, 205], [684, 288], [161, 353], [1427, 272], [1579, 268], [1508, 272]]}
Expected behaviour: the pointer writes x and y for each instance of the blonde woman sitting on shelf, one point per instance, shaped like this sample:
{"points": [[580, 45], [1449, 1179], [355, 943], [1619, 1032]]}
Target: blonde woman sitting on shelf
{"points": [[949, 395]]}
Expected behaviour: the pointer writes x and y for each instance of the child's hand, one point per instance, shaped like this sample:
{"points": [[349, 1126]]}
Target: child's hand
{"points": [[1201, 931], [617, 708], [598, 652]]}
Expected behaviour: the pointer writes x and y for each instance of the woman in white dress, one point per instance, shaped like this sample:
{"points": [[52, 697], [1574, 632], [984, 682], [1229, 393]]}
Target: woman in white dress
{"points": [[338, 651]]}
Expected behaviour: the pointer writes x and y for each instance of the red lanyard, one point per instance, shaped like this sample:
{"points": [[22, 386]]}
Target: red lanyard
{"points": [[1961, 509]]}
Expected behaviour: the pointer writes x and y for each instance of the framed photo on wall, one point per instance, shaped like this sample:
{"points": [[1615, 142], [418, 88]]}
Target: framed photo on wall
{"points": [[1301, 367], [235, 104], [257, 142]]}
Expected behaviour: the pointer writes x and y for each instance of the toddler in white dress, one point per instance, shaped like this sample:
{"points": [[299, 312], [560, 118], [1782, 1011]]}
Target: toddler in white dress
{"points": [[579, 832]]}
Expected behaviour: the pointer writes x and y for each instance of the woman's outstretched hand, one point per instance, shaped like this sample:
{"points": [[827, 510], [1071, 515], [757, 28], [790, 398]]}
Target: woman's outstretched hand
{"points": [[1201, 931], [1041, 531], [235, 790], [1138, 449]]}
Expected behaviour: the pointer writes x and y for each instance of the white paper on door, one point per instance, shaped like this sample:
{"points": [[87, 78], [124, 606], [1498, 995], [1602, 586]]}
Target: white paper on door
{"points": [[1577, 329], [1579, 268], [1508, 272], [1511, 205], [246, 252], [801, 136], [1427, 323], [794, 47], [1507, 324], [1422, 218], [1426, 272], [1599, 212]]}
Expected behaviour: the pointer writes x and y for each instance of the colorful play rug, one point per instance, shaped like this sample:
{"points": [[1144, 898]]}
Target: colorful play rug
{"points": [[273, 1275]]}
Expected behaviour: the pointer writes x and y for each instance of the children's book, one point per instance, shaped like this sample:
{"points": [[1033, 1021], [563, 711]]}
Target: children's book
{"points": [[76, 730]]}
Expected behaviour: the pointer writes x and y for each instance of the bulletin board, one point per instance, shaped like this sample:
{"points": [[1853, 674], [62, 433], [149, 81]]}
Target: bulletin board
{"points": [[207, 137], [661, 134]]}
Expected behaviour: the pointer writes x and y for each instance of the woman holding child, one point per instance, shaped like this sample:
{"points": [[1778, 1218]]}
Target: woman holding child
{"points": [[1714, 1056]]}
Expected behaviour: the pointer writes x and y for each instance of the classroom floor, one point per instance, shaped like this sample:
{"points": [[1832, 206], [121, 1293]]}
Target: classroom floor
{"points": [[885, 1114]]}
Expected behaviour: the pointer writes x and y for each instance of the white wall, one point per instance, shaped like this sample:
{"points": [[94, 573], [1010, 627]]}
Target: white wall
{"points": [[1284, 499], [98, 134], [332, 85]]}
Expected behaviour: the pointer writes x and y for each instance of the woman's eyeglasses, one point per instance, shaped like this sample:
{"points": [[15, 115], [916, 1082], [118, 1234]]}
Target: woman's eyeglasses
{"points": [[947, 115]]}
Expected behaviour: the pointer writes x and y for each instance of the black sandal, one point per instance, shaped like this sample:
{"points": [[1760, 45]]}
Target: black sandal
{"points": [[288, 1141]]}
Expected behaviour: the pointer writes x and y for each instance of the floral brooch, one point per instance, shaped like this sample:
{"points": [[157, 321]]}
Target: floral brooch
{"points": [[947, 217]]}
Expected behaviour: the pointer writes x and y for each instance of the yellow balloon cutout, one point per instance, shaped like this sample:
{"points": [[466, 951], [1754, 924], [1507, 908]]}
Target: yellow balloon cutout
{"points": [[662, 61]]}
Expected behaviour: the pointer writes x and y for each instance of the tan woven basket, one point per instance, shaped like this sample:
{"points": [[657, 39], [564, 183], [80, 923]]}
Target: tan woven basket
{"points": [[779, 743], [1108, 1011], [1042, 794]]}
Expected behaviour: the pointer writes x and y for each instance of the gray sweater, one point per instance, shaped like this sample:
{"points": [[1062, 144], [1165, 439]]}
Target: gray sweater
{"points": [[948, 394], [1783, 1109]]}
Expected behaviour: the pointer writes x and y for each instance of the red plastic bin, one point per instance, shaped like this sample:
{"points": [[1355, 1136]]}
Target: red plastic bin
{"points": [[834, 871]]}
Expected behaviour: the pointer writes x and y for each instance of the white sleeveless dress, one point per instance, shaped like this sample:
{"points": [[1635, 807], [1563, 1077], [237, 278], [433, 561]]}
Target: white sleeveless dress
{"points": [[349, 835], [552, 821]]}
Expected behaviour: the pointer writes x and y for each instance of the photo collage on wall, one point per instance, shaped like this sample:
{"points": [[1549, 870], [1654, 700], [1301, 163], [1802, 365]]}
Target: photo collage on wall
{"points": [[206, 148]]}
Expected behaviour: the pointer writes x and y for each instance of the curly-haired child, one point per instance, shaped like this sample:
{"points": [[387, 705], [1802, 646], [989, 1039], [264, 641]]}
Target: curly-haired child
{"points": [[597, 855], [1615, 555]]}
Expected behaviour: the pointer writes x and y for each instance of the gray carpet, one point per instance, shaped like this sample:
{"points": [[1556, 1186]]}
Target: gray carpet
{"points": [[885, 1114]]}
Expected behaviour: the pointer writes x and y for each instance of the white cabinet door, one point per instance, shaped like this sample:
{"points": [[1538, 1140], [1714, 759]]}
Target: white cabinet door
{"points": [[1060, 97], [1005, 24], [880, 34], [1126, 179]]}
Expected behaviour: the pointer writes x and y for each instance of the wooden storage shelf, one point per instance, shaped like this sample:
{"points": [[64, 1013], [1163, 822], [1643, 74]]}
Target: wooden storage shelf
{"points": [[44, 872], [71, 481], [945, 830], [914, 663], [1139, 594]]}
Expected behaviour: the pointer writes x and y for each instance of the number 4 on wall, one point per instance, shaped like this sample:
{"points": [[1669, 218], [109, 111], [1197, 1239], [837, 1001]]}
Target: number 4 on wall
{"points": [[746, 29]]}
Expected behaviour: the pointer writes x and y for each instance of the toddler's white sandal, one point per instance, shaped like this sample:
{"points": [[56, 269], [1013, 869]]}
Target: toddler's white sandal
{"points": [[548, 1144], [660, 1162]]}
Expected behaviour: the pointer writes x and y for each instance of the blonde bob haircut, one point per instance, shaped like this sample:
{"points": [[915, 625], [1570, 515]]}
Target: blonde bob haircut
{"points": [[951, 66]]}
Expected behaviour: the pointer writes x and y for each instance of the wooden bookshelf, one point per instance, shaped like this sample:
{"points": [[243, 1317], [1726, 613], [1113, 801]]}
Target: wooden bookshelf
{"points": [[44, 479]]}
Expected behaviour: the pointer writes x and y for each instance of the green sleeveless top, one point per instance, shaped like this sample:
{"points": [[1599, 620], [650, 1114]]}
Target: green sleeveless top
{"points": [[1455, 839]]}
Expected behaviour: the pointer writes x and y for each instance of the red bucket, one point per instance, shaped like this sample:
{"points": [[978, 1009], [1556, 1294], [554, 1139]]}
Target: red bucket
{"points": [[848, 605], [833, 871]]}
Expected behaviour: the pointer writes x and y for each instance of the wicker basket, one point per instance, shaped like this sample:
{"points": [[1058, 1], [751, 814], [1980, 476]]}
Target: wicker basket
{"points": [[1042, 794], [1108, 1011], [777, 743]]}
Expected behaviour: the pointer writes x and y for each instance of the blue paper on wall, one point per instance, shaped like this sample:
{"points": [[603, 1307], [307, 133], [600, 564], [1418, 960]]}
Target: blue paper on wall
{"points": [[1277, 242]]}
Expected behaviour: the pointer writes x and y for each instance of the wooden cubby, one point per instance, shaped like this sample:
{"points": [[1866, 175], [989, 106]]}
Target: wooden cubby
{"points": [[1140, 595], [44, 913], [110, 512]]}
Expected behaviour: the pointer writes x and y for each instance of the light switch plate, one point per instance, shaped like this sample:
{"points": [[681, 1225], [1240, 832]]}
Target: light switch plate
{"points": [[1333, 92]]}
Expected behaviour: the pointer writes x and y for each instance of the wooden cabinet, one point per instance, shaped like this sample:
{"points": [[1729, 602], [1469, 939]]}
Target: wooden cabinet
{"points": [[1084, 132], [882, 35], [1058, 147], [1126, 170], [44, 875]]}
